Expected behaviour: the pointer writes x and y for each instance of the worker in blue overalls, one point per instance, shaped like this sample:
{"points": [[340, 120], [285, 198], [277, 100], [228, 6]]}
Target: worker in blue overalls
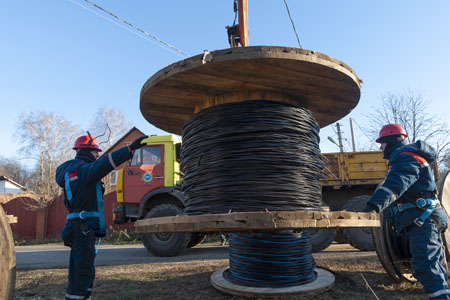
{"points": [[83, 197], [409, 193]]}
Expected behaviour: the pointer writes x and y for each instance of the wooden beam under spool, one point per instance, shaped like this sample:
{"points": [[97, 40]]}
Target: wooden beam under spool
{"points": [[258, 221]]}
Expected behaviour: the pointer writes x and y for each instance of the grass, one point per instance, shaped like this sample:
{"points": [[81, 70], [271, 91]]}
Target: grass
{"points": [[121, 237], [191, 280], [21, 241]]}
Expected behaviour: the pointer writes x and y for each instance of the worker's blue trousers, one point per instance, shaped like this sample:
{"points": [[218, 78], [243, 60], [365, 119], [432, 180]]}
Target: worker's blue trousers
{"points": [[427, 255], [81, 265]]}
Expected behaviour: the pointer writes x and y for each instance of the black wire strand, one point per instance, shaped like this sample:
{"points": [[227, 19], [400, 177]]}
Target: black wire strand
{"points": [[278, 259], [235, 9], [251, 156], [293, 25]]}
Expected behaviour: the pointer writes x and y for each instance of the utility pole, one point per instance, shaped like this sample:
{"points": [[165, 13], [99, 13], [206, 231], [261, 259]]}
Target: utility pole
{"points": [[353, 136], [341, 148], [243, 22]]}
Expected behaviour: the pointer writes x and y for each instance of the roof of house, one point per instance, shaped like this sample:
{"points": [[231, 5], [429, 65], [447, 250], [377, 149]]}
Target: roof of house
{"points": [[4, 178]]}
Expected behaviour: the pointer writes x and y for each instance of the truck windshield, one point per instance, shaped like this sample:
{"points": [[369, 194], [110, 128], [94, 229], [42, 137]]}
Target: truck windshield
{"points": [[151, 155]]}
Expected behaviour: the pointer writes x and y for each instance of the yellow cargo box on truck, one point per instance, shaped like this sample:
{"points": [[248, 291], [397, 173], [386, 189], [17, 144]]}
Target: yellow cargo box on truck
{"points": [[348, 180], [353, 169], [150, 186]]}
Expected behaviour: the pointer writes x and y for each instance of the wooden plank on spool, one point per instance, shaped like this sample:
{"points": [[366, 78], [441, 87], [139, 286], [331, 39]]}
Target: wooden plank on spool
{"points": [[309, 79], [257, 221]]}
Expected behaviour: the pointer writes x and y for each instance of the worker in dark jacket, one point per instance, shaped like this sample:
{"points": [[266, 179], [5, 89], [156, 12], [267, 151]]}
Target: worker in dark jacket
{"points": [[410, 193], [83, 191]]}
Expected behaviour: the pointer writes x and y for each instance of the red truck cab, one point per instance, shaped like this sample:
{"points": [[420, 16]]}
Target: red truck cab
{"points": [[150, 186]]}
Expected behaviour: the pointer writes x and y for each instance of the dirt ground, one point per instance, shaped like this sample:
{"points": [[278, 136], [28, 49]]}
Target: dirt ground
{"points": [[191, 280]]}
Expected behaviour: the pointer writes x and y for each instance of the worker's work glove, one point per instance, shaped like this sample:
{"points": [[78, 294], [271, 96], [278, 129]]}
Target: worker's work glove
{"points": [[369, 208], [137, 143]]}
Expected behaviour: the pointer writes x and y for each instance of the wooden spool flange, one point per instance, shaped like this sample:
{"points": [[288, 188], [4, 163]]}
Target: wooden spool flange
{"points": [[312, 80], [323, 282], [7, 257], [257, 221]]}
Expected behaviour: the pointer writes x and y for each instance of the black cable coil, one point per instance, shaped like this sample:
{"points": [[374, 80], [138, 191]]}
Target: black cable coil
{"points": [[251, 156], [278, 259]]}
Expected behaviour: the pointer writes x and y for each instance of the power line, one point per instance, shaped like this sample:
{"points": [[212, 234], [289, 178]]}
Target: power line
{"points": [[137, 28], [172, 48], [292, 22], [371, 140]]}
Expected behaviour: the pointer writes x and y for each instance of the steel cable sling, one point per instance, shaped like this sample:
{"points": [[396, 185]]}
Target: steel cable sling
{"points": [[274, 260], [251, 156]]}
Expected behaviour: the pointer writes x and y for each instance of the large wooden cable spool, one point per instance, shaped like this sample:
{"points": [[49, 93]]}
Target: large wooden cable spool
{"points": [[304, 79], [327, 87], [7, 257]]}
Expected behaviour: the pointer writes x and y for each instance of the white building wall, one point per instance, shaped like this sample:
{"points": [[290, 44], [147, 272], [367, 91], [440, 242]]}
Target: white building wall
{"points": [[7, 187]]}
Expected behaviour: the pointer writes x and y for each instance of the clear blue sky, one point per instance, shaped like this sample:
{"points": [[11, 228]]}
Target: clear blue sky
{"points": [[57, 57]]}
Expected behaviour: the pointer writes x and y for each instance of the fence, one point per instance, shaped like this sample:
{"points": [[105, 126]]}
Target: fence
{"points": [[48, 222]]}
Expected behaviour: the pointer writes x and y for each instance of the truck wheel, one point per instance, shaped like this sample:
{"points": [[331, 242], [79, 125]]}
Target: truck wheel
{"points": [[360, 238], [321, 238], [196, 238], [165, 244]]}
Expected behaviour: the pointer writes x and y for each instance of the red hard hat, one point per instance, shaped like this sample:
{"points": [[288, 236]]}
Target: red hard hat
{"points": [[88, 142], [391, 129]]}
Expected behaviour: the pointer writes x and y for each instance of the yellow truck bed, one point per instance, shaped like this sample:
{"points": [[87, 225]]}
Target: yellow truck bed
{"points": [[353, 168]]}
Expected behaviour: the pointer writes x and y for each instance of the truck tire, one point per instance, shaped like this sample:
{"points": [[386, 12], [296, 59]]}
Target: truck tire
{"points": [[196, 238], [165, 244], [360, 238], [321, 238]]}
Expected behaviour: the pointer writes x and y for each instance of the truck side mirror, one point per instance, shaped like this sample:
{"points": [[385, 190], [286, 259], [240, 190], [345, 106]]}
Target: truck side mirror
{"points": [[178, 152]]}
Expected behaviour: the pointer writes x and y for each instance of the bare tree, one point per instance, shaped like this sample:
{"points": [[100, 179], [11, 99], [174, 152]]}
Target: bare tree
{"points": [[15, 171], [410, 110], [47, 139], [446, 163], [115, 119]]}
